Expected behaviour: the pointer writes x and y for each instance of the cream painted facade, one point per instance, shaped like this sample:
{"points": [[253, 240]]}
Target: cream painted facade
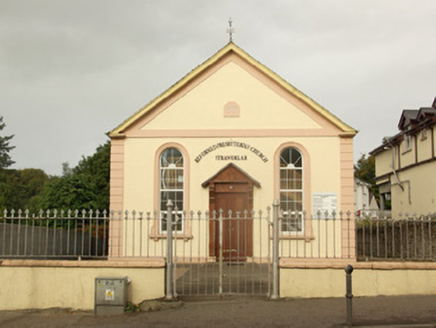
{"points": [[231, 110], [139, 168], [406, 162]]}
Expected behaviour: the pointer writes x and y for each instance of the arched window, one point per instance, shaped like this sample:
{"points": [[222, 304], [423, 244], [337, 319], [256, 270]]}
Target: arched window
{"points": [[171, 186], [291, 189]]}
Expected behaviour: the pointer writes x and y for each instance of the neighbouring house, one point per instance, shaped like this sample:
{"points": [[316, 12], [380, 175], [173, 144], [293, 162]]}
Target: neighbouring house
{"points": [[364, 200], [406, 164], [231, 135]]}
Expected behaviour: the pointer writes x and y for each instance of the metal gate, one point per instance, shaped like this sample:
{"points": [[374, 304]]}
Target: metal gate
{"points": [[221, 254]]}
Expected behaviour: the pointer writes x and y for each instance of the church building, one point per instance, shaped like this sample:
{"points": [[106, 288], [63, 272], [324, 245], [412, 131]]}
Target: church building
{"points": [[232, 135]]}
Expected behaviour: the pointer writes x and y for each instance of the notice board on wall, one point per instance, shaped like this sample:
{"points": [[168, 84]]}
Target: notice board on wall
{"points": [[324, 201]]}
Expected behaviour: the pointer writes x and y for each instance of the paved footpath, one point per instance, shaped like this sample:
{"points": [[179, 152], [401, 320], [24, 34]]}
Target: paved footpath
{"points": [[404, 311]]}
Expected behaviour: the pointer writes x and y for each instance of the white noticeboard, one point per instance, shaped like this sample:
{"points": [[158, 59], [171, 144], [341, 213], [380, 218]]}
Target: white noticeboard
{"points": [[324, 201]]}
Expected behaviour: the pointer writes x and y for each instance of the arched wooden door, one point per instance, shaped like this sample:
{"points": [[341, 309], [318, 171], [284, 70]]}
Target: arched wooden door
{"points": [[231, 190]]}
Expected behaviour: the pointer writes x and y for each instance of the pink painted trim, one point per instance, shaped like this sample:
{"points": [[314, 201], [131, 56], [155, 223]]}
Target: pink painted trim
{"points": [[347, 196], [200, 133], [307, 200], [117, 173], [154, 232], [116, 195]]}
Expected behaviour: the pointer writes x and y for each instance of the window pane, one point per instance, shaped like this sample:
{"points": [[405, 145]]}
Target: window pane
{"points": [[290, 157], [284, 179], [176, 198], [291, 179], [171, 157], [177, 221], [178, 217], [292, 223], [163, 221], [171, 178], [296, 179], [291, 201]]}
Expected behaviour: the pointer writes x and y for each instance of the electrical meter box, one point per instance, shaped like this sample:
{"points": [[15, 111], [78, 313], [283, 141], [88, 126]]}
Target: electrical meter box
{"points": [[110, 295]]}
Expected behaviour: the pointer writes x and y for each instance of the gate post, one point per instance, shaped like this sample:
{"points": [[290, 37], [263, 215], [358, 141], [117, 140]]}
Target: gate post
{"points": [[275, 291], [169, 293], [220, 220]]}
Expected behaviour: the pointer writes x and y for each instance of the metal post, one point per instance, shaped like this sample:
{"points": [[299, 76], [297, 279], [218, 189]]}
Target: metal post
{"points": [[220, 220], [349, 270], [169, 294], [275, 291]]}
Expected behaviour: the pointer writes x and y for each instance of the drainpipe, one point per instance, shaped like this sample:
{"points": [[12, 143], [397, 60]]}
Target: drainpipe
{"points": [[408, 188], [399, 183]]}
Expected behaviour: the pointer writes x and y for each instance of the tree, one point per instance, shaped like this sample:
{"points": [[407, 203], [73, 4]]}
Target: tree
{"points": [[19, 189], [5, 148], [85, 186], [364, 170], [68, 192], [97, 168]]}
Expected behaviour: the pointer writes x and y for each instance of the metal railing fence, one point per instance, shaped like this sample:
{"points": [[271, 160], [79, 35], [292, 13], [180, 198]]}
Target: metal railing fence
{"points": [[405, 238], [54, 235], [324, 235], [99, 235]]}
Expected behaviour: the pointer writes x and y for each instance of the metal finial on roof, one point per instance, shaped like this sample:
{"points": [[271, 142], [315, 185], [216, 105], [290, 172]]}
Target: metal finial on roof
{"points": [[230, 30]]}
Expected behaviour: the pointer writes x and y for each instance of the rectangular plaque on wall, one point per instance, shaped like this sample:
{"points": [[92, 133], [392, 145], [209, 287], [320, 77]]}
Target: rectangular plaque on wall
{"points": [[324, 201]]}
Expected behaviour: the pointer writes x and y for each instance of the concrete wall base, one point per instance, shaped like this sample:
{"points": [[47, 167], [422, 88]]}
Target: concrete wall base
{"points": [[42, 285], [330, 282]]}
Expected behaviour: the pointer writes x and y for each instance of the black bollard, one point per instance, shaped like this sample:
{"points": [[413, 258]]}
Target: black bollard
{"points": [[349, 270]]}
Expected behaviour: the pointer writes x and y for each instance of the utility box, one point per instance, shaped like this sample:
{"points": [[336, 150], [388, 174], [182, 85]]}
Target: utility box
{"points": [[110, 295]]}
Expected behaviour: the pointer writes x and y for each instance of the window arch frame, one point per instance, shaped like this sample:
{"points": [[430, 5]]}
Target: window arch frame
{"points": [[306, 232], [185, 231]]}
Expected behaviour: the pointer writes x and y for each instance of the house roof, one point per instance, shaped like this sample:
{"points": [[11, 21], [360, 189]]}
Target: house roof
{"points": [[407, 117], [411, 122], [426, 112], [230, 48]]}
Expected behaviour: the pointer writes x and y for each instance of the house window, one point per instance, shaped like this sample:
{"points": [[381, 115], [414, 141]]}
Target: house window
{"points": [[407, 142], [291, 190], [424, 134], [171, 176]]}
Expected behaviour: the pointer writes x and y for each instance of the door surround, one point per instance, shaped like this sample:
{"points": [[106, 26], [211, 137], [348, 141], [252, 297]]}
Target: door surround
{"points": [[230, 180]]}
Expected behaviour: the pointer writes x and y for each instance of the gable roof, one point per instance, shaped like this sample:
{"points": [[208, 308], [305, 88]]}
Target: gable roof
{"points": [[411, 122], [230, 48], [407, 117], [426, 112]]}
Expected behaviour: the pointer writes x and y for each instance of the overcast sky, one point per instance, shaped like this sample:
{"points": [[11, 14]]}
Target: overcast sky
{"points": [[70, 71]]}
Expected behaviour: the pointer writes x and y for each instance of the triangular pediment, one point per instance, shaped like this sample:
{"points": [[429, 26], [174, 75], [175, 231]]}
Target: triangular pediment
{"points": [[231, 173], [231, 76]]}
